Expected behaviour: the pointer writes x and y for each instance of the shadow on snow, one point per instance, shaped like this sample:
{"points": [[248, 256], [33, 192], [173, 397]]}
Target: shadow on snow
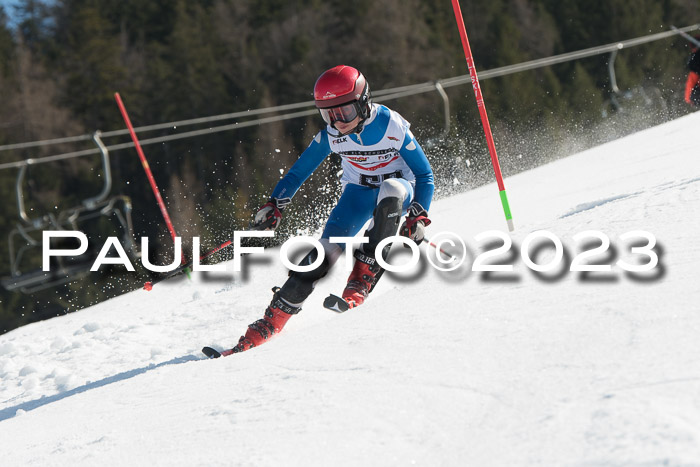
{"points": [[10, 412]]}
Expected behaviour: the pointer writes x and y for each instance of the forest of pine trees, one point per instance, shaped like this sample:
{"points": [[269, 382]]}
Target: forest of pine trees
{"points": [[62, 61]]}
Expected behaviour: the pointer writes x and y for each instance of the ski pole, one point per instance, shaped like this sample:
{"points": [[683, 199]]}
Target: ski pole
{"points": [[149, 285], [452, 257], [482, 111]]}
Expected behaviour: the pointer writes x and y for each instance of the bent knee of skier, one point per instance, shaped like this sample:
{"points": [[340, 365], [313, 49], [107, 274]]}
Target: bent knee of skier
{"points": [[396, 188]]}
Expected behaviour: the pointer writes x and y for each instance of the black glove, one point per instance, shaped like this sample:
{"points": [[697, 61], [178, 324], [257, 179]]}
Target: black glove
{"points": [[416, 221], [270, 214]]}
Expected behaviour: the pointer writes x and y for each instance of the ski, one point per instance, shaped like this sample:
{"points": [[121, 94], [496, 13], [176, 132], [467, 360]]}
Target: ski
{"points": [[337, 304], [213, 353]]}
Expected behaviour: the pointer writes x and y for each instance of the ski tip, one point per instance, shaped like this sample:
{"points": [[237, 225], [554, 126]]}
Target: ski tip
{"points": [[335, 303], [211, 353]]}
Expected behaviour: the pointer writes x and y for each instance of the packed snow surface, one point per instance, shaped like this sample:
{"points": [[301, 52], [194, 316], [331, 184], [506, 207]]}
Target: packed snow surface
{"points": [[437, 368]]}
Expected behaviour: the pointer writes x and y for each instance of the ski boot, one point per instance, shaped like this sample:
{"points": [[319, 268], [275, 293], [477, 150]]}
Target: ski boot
{"points": [[363, 277], [276, 316]]}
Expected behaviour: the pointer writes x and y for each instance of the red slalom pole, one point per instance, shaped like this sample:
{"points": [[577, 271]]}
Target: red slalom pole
{"points": [[482, 112], [146, 168]]}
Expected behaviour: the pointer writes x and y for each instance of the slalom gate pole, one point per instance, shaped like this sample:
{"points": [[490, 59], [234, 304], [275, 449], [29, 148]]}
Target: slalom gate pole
{"points": [[146, 168], [482, 112]]}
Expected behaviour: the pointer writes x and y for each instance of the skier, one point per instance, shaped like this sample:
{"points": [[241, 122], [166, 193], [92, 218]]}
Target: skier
{"points": [[385, 175], [692, 84]]}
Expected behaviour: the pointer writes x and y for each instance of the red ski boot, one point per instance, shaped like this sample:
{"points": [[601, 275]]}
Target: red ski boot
{"points": [[363, 277], [276, 316]]}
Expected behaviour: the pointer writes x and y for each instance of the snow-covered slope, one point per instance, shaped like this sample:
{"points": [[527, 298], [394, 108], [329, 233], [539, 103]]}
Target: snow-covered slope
{"points": [[437, 368]]}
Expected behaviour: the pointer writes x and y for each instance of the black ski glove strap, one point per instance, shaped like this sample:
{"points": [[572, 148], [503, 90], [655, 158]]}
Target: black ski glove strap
{"points": [[280, 203]]}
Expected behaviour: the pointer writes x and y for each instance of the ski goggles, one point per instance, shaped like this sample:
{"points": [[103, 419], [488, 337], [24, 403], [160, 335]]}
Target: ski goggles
{"points": [[343, 113]]}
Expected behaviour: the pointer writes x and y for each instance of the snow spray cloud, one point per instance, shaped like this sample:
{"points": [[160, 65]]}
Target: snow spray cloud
{"points": [[449, 252]]}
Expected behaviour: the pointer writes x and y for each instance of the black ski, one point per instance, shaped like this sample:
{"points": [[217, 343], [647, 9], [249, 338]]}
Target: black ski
{"points": [[337, 304], [213, 353]]}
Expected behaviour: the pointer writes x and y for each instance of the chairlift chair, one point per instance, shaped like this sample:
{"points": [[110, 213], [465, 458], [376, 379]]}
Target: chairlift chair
{"points": [[65, 269]]}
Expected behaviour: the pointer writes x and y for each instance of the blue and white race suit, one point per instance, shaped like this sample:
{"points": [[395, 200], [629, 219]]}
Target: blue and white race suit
{"points": [[384, 149]]}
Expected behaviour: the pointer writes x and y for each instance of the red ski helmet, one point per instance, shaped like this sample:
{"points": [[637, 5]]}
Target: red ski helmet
{"points": [[341, 94]]}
